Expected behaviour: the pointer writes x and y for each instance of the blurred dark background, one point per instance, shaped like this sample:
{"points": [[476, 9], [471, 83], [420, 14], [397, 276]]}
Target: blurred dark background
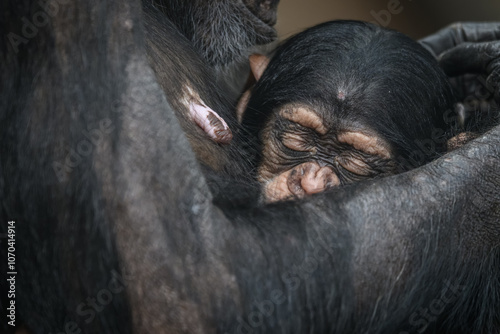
{"points": [[416, 18]]}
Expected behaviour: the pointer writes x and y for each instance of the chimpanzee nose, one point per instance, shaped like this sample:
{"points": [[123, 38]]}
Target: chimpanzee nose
{"points": [[316, 179], [309, 178], [305, 179]]}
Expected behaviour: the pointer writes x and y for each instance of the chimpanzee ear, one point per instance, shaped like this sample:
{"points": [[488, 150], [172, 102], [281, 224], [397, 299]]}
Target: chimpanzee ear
{"points": [[258, 64], [242, 105]]}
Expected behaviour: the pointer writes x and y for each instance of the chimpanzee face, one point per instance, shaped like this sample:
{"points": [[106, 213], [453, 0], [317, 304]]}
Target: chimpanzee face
{"points": [[306, 151], [343, 102]]}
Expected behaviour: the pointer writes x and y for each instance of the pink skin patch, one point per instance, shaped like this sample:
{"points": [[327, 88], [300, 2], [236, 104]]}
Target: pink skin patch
{"points": [[305, 179], [341, 95], [213, 125]]}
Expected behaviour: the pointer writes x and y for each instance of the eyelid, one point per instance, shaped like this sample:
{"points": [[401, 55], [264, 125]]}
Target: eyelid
{"points": [[370, 144], [304, 117], [354, 165], [296, 142]]}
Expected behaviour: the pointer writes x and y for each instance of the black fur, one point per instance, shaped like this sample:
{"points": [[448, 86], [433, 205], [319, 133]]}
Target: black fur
{"points": [[139, 204], [224, 32], [393, 86]]}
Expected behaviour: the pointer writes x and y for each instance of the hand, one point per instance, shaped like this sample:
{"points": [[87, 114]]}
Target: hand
{"points": [[470, 53]]}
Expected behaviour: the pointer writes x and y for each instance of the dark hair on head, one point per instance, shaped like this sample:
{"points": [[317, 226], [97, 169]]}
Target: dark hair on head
{"points": [[385, 73]]}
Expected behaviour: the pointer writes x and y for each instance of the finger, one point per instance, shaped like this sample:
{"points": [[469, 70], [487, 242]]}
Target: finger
{"points": [[213, 125], [470, 58], [459, 33], [460, 140]]}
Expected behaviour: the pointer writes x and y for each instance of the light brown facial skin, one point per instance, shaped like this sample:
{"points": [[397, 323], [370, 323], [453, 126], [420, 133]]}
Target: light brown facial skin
{"points": [[302, 155], [328, 157], [305, 179]]}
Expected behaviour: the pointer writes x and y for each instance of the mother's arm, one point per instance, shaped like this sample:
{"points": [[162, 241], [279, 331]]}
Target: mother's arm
{"points": [[358, 259], [369, 257]]}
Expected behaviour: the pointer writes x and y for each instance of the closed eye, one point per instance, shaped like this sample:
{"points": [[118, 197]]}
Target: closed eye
{"points": [[355, 165], [361, 164], [369, 144], [297, 141], [305, 117]]}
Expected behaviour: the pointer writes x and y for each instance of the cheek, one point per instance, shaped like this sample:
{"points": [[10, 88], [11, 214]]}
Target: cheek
{"points": [[277, 188]]}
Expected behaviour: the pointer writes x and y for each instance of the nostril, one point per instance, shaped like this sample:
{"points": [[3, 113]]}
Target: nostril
{"points": [[331, 179], [318, 180]]}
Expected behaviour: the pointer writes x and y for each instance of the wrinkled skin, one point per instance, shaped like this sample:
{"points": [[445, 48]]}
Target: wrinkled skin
{"points": [[354, 260], [343, 102]]}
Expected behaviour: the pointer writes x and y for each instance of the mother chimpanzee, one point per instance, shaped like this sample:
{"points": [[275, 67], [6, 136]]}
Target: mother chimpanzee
{"points": [[116, 223]]}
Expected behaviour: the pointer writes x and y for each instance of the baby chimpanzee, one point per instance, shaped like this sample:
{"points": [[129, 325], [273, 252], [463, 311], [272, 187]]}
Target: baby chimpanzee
{"points": [[342, 102]]}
